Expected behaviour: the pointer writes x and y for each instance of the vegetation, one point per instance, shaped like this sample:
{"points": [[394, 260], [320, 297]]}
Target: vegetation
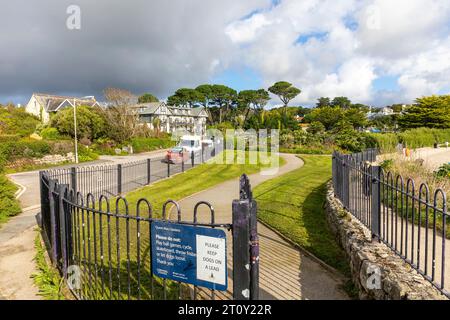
{"points": [[412, 138], [147, 98], [47, 279], [430, 112], [285, 91], [293, 205], [9, 206]]}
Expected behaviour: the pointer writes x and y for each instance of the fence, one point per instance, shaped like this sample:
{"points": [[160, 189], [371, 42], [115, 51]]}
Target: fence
{"points": [[113, 180], [104, 249], [409, 219]]}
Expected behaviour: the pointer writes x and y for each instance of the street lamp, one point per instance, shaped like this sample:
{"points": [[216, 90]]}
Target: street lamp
{"points": [[75, 129]]}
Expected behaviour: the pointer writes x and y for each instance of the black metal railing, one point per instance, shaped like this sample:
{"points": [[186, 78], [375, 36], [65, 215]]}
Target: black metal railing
{"points": [[409, 219], [113, 180], [102, 245]]}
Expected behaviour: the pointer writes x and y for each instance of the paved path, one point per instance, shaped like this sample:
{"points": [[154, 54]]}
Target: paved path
{"points": [[433, 158], [285, 272]]}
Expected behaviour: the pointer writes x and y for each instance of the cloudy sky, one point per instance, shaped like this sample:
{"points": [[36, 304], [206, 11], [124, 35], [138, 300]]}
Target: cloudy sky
{"points": [[373, 51]]}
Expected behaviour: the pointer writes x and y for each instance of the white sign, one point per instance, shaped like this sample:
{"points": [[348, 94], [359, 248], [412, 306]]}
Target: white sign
{"points": [[211, 257]]}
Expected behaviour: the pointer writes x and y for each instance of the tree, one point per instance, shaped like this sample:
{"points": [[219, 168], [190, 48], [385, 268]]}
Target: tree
{"points": [[122, 120], [207, 92], [323, 102], [119, 97], [328, 116], [430, 112], [147, 98], [186, 97], [90, 122], [341, 102], [256, 99], [285, 91], [316, 127], [223, 98]]}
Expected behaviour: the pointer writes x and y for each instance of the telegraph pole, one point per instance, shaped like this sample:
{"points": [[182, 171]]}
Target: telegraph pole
{"points": [[75, 129]]}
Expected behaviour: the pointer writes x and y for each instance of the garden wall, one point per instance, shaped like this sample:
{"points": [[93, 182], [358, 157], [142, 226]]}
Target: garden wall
{"points": [[376, 271]]}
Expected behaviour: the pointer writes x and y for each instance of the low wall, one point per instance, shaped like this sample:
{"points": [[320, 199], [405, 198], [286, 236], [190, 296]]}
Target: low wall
{"points": [[377, 272]]}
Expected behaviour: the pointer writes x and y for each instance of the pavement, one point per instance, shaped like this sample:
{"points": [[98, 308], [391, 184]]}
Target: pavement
{"points": [[286, 273], [433, 158]]}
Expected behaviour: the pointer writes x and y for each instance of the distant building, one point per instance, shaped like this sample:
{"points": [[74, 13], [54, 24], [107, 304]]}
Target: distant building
{"points": [[171, 119], [42, 105]]}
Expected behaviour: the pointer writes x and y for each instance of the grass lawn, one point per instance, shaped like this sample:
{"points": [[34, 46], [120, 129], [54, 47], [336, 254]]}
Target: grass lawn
{"points": [[195, 180], [122, 259], [293, 205]]}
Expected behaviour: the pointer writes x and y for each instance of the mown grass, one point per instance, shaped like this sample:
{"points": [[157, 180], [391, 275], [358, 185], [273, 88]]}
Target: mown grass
{"points": [[293, 205], [114, 253]]}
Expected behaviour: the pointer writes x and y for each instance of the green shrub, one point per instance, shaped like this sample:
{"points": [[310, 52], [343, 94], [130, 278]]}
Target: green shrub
{"points": [[444, 171], [50, 134], [17, 121], [9, 206], [149, 144], [86, 154], [24, 148]]}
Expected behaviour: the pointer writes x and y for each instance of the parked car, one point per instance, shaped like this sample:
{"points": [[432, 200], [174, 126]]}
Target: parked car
{"points": [[177, 155]]}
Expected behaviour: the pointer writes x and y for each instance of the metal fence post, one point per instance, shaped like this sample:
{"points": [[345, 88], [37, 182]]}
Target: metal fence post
{"points": [[73, 178], [346, 181], [254, 252], [149, 170], [192, 159], [182, 162], [62, 190], [119, 178], [52, 234], [376, 203], [168, 168], [241, 254]]}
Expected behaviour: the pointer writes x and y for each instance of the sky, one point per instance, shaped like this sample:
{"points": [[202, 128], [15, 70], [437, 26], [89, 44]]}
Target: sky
{"points": [[377, 52]]}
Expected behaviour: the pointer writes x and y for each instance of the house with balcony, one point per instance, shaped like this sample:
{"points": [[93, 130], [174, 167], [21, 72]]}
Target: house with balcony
{"points": [[171, 118]]}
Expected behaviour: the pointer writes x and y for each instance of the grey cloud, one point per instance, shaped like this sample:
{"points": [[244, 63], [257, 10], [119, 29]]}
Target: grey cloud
{"points": [[139, 45]]}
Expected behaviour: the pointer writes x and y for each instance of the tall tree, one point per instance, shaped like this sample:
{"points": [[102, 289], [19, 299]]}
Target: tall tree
{"points": [[185, 97], [123, 121], [147, 98], [207, 92], [431, 112], [341, 102], [224, 98], [256, 99], [323, 102], [285, 91]]}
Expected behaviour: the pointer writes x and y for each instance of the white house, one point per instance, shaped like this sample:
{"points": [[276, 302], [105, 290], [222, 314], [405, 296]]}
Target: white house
{"points": [[42, 105], [173, 118]]}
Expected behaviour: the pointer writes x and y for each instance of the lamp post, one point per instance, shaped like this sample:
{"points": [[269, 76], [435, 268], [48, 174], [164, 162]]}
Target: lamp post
{"points": [[75, 130]]}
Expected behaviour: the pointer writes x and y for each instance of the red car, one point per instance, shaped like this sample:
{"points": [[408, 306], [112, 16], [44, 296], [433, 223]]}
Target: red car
{"points": [[176, 155]]}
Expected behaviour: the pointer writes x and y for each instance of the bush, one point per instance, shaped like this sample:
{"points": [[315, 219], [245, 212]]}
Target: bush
{"points": [[25, 148], [85, 154], [149, 144], [17, 122], [50, 134], [9, 205], [444, 171]]}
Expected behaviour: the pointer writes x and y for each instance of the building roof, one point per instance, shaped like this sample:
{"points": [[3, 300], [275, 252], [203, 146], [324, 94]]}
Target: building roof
{"points": [[154, 109], [52, 103]]}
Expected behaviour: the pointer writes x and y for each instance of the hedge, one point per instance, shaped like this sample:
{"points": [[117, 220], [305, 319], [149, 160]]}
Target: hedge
{"points": [[149, 144]]}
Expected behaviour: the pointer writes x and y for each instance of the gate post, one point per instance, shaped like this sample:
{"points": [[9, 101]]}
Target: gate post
{"points": [[241, 252], [73, 177], [245, 245], [376, 203]]}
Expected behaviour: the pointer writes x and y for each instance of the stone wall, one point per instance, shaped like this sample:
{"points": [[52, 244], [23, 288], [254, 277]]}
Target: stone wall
{"points": [[55, 159], [377, 272]]}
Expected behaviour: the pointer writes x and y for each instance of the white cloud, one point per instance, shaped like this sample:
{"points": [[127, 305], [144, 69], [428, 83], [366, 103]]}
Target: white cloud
{"points": [[244, 31], [359, 42]]}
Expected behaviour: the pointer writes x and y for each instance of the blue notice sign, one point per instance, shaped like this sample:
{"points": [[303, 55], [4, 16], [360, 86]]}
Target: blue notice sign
{"points": [[190, 254]]}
